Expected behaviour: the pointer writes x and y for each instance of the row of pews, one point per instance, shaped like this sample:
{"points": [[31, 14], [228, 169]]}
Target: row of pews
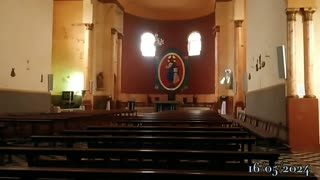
{"points": [[174, 144]]}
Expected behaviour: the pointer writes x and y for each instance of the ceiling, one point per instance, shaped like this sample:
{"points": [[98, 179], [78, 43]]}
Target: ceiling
{"points": [[168, 9]]}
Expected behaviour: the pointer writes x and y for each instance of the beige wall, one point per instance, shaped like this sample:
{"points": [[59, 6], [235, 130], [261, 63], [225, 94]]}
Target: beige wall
{"points": [[238, 9], [225, 19], [266, 29], [68, 57], [106, 16], [26, 42], [26, 45], [303, 3], [87, 11], [316, 52]]}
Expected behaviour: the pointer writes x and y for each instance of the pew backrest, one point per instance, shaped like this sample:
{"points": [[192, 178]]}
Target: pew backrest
{"points": [[121, 132]]}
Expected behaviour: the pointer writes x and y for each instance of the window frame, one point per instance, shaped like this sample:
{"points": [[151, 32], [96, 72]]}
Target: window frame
{"points": [[147, 45], [194, 41]]}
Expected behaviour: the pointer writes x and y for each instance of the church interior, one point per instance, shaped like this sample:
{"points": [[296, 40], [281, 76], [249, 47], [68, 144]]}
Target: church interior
{"points": [[140, 89]]}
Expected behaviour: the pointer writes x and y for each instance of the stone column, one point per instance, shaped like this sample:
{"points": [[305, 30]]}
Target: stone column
{"points": [[216, 30], [239, 67], [308, 39], [291, 81], [119, 65], [113, 68], [89, 77], [87, 97]]}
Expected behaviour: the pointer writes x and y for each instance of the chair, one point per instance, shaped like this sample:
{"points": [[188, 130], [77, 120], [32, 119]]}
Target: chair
{"points": [[67, 99]]}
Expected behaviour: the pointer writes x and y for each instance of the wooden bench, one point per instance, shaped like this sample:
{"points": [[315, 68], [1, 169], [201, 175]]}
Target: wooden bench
{"points": [[58, 121], [17, 123], [176, 128], [142, 158], [181, 115], [266, 131], [127, 113], [122, 132], [173, 142], [139, 174], [161, 122]]}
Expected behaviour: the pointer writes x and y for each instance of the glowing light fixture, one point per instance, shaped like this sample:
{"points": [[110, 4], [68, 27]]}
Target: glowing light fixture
{"points": [[76, 82]]}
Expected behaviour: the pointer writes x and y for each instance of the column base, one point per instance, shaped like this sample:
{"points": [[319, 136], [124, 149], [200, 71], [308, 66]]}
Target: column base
{"points": [[303, 124], [293, 96], [309, 96]]}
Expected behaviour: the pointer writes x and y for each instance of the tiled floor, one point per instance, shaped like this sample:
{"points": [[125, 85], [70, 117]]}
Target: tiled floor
{"points": [[309, 158], [306, 161], [294, 161], [287, 159]]}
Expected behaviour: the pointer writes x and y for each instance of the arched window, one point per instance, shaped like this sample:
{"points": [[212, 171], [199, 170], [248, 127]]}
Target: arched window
{"points": [[194, 44], [147, 45]]}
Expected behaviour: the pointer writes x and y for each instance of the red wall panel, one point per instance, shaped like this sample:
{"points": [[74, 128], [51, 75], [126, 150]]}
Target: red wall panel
{"points": [[138, 72]]}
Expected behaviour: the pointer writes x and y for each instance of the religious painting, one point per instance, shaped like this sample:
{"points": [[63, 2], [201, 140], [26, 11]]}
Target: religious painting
{"points": [[100, 80], [171, 72]]}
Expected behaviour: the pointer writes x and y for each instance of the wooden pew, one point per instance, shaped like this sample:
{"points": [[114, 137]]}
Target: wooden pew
{"points": [[17, 123], [142, 158], [176, 128], [158, 172], [182, 115], [151, 141], [162, 122], [89, 113], [178, 117], [185, 129], [121, 132], [266, 131], [190, 113], [139, 174], [2, 129]]}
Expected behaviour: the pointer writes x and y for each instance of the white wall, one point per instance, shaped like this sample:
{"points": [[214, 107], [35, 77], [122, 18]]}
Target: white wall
{"points": [[266, 29], [26, 35]]}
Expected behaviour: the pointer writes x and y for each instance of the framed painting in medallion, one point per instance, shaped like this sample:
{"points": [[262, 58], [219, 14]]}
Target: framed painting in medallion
{"points": [[171, 72]]}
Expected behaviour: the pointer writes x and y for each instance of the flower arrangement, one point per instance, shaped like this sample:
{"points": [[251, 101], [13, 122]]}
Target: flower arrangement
{"points": [[159, 41]]}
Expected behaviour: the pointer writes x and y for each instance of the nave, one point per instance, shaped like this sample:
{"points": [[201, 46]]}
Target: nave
{"points": [[208, 150]]}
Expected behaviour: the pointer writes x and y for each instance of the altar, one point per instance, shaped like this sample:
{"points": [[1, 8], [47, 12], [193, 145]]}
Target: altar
{"points": [[165, 105]]}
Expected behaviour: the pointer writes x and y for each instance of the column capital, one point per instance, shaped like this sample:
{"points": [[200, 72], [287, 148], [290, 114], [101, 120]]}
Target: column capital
{"points": [[238, 23], [291, 14], [114, 2], [113, 31], [216, 29], [120, 36], [307, 13], [89, 26]]}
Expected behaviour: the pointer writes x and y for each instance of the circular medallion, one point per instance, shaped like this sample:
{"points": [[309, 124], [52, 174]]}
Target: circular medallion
{"points": [[171, 71]]}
